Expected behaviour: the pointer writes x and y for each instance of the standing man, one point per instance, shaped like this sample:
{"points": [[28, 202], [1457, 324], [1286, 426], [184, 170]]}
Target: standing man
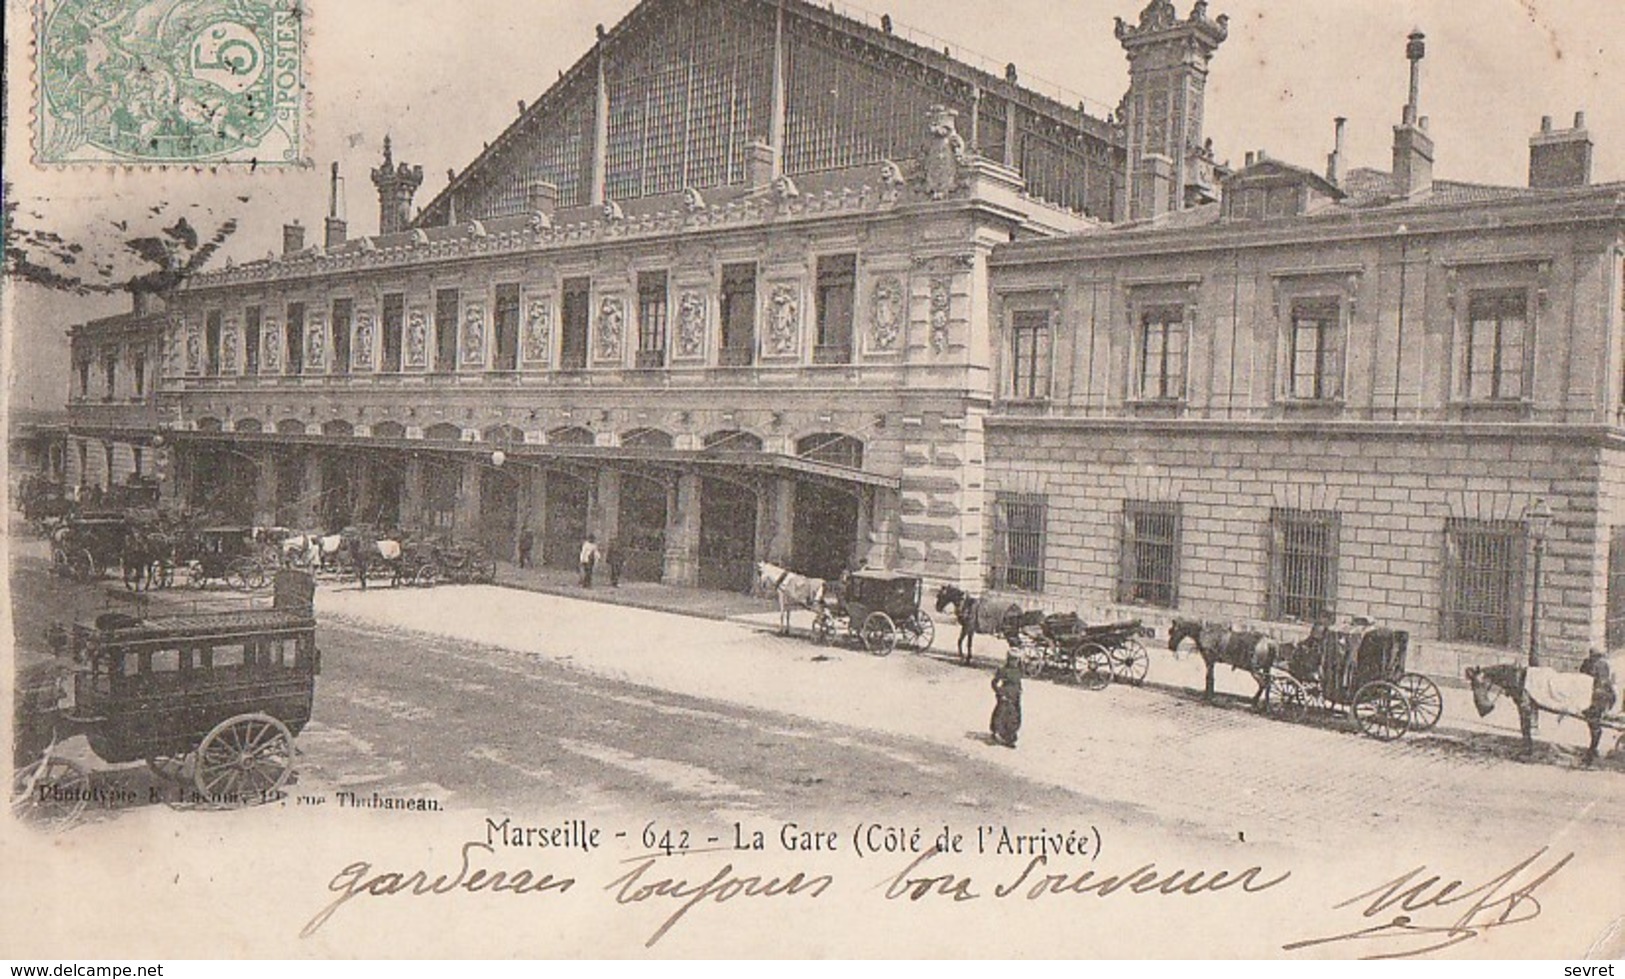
{"points": [[527, 542], [589, 557], [1006, 722], [614, 557]]}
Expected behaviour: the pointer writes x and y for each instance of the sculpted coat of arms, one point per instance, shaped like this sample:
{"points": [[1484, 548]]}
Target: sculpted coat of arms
{"points": [[611, 324], [538, 331], [886, 313], [946, 154], [784, 320], [691, 325]]}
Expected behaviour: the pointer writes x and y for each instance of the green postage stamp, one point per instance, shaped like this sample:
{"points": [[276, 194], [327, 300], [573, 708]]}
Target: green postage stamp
{"points": [[170, 82]]}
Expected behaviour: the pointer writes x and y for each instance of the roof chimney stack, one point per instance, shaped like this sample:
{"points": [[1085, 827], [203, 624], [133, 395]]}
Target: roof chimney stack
{"points": [[293, 238], [1334, 162], [336, 229], [1413, 147], [1560, 157]]}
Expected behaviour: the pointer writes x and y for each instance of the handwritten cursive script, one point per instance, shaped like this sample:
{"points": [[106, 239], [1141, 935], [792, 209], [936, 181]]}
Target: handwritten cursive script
{"points": [[358, 878], [1035, 882], [1424, 913], [723, 886]]}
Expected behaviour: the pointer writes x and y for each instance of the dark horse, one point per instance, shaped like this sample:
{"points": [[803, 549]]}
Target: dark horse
{"points": [[1512, 679], [977, 615], [1238, 649], [143, 556]]}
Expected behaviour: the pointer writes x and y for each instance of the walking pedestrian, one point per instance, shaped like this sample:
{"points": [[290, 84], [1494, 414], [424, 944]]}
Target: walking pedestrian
{"points": [[614, 557], [527, 542], [589, 557], [1006, 722]]}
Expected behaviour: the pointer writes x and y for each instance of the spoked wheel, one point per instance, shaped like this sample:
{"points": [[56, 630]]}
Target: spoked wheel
{"points": [[1093, 667], [50, 792], [252, 575], [244, 759], [919, 631], [1288, 699], [879, 634], [1382, 710], [1427, 705], [1130, 663], [426, 576], [823, 627], [1033, 658]]}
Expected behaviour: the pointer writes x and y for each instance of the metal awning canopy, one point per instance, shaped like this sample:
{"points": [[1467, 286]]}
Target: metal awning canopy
{"points": [[695, 459]]}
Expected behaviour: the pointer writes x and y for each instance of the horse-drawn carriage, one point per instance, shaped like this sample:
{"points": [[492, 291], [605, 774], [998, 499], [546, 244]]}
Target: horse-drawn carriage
{"points": [[84, 546], [231, 555], [1061, 645], [215, 699], [1360, 670], [880, 608]]}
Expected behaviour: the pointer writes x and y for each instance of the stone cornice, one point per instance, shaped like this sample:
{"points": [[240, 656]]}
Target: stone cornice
{"points": [[1587, 433]]}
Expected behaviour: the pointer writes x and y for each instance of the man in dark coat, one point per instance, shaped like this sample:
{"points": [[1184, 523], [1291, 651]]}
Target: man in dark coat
{"points": [[615, 557], [1006, 722], [527, 542]]}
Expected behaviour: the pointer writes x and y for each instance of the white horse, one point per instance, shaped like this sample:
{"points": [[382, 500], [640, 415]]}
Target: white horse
{"points": [[792, 590]]}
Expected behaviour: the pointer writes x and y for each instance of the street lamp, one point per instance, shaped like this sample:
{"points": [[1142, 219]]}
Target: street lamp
{"points": [[498, 457], [1539, 519]]}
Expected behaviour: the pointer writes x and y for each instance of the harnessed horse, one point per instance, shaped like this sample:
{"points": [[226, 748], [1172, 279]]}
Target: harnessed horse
{"points": [[140, 558], [1239, 649], [1516, 681], [990, 617], [791, 589]]}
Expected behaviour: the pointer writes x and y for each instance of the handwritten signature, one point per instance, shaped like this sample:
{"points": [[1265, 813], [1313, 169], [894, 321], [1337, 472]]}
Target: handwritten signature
{"points": [[1425, 913]]}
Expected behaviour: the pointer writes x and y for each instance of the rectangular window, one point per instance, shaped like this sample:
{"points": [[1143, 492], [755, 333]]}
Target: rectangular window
{"points": [[1616, 589], [1303, 564], [110, 375], [1497, 323], [837, 284], [296, 338], [1317, 350], [1162, 353], [1029, 354], [343, 325], [1483, 587], [138, 373], [1150, 555], [576, 315], [506, 317], [84, 378], [651, 320], [394, 328], [1018, 541], [446, 303], [251, 340], [211, 342], [738, 316]]}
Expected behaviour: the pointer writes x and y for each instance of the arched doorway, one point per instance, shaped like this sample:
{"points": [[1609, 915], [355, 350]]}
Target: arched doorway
{"points": [[826, 527], [499, 512], [566, 520], [388, 486], [727, 535], [642, 523], [337, 508]]}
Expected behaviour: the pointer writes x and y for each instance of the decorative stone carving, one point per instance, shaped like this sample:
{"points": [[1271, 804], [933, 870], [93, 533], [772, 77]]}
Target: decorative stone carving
{"points": [[538, 331], [538, 222], [692, 200], [228, 348], [612, 211], [417, 338], [691, 323], [363, 340], [315, 343], [946, 155], [271, 347], [194, 349], [611, 325], [474, 335], [784, 320], [886, 313], [476, 229], [941, 302], [784, 188], [891, 175]]}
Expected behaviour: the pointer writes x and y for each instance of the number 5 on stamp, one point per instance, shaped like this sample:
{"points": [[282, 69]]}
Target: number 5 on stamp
{"points": [[161, 82]]}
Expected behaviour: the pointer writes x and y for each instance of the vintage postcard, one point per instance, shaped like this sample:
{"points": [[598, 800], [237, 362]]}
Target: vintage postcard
{"points": [[763, 478]]}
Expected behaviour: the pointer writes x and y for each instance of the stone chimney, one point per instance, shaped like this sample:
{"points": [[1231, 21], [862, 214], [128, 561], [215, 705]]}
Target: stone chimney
{"points": [[1413, 147], [1334, 162], [1560, 157], [542, 198], [293, 238], [761, 163], [336, 228], [396, 185]]}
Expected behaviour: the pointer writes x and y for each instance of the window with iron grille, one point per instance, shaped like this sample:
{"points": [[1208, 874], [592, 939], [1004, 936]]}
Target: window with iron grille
{"points": [[295, 338], [576, 313], [1303, 564], [1483, 581], [651, 319], [1317, 350], [446, 304], [1162, 353], [837, 283], [211, 343], [505, 320], [1029, 354], [738, 315], [138, 373], [1616, 589], [251, 341], [1018, 541], [1150, 554], [1497, 323]]}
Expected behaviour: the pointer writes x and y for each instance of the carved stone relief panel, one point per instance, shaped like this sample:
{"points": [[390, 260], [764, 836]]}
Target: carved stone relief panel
{"points": [[692, 321], [473, 339], [886, 315], [417, 338], [316, 344], [783, 318], [538, 343], [361, 357], [611, 329]]}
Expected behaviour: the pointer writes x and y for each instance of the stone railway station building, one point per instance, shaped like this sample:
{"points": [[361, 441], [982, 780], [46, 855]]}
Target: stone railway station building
{"points": [[801, 289]]}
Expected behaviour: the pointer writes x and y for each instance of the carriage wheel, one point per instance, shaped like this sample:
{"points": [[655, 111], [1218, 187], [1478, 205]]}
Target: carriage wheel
{"points": [[1382, 710], [426, 576], [1130, 663], [1288, 699], [823, 627], [244, 758], [485, 569], [1427, 705], [254, 576], [919, 631], [879, 634], [1093, 667], [65, 785]]}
